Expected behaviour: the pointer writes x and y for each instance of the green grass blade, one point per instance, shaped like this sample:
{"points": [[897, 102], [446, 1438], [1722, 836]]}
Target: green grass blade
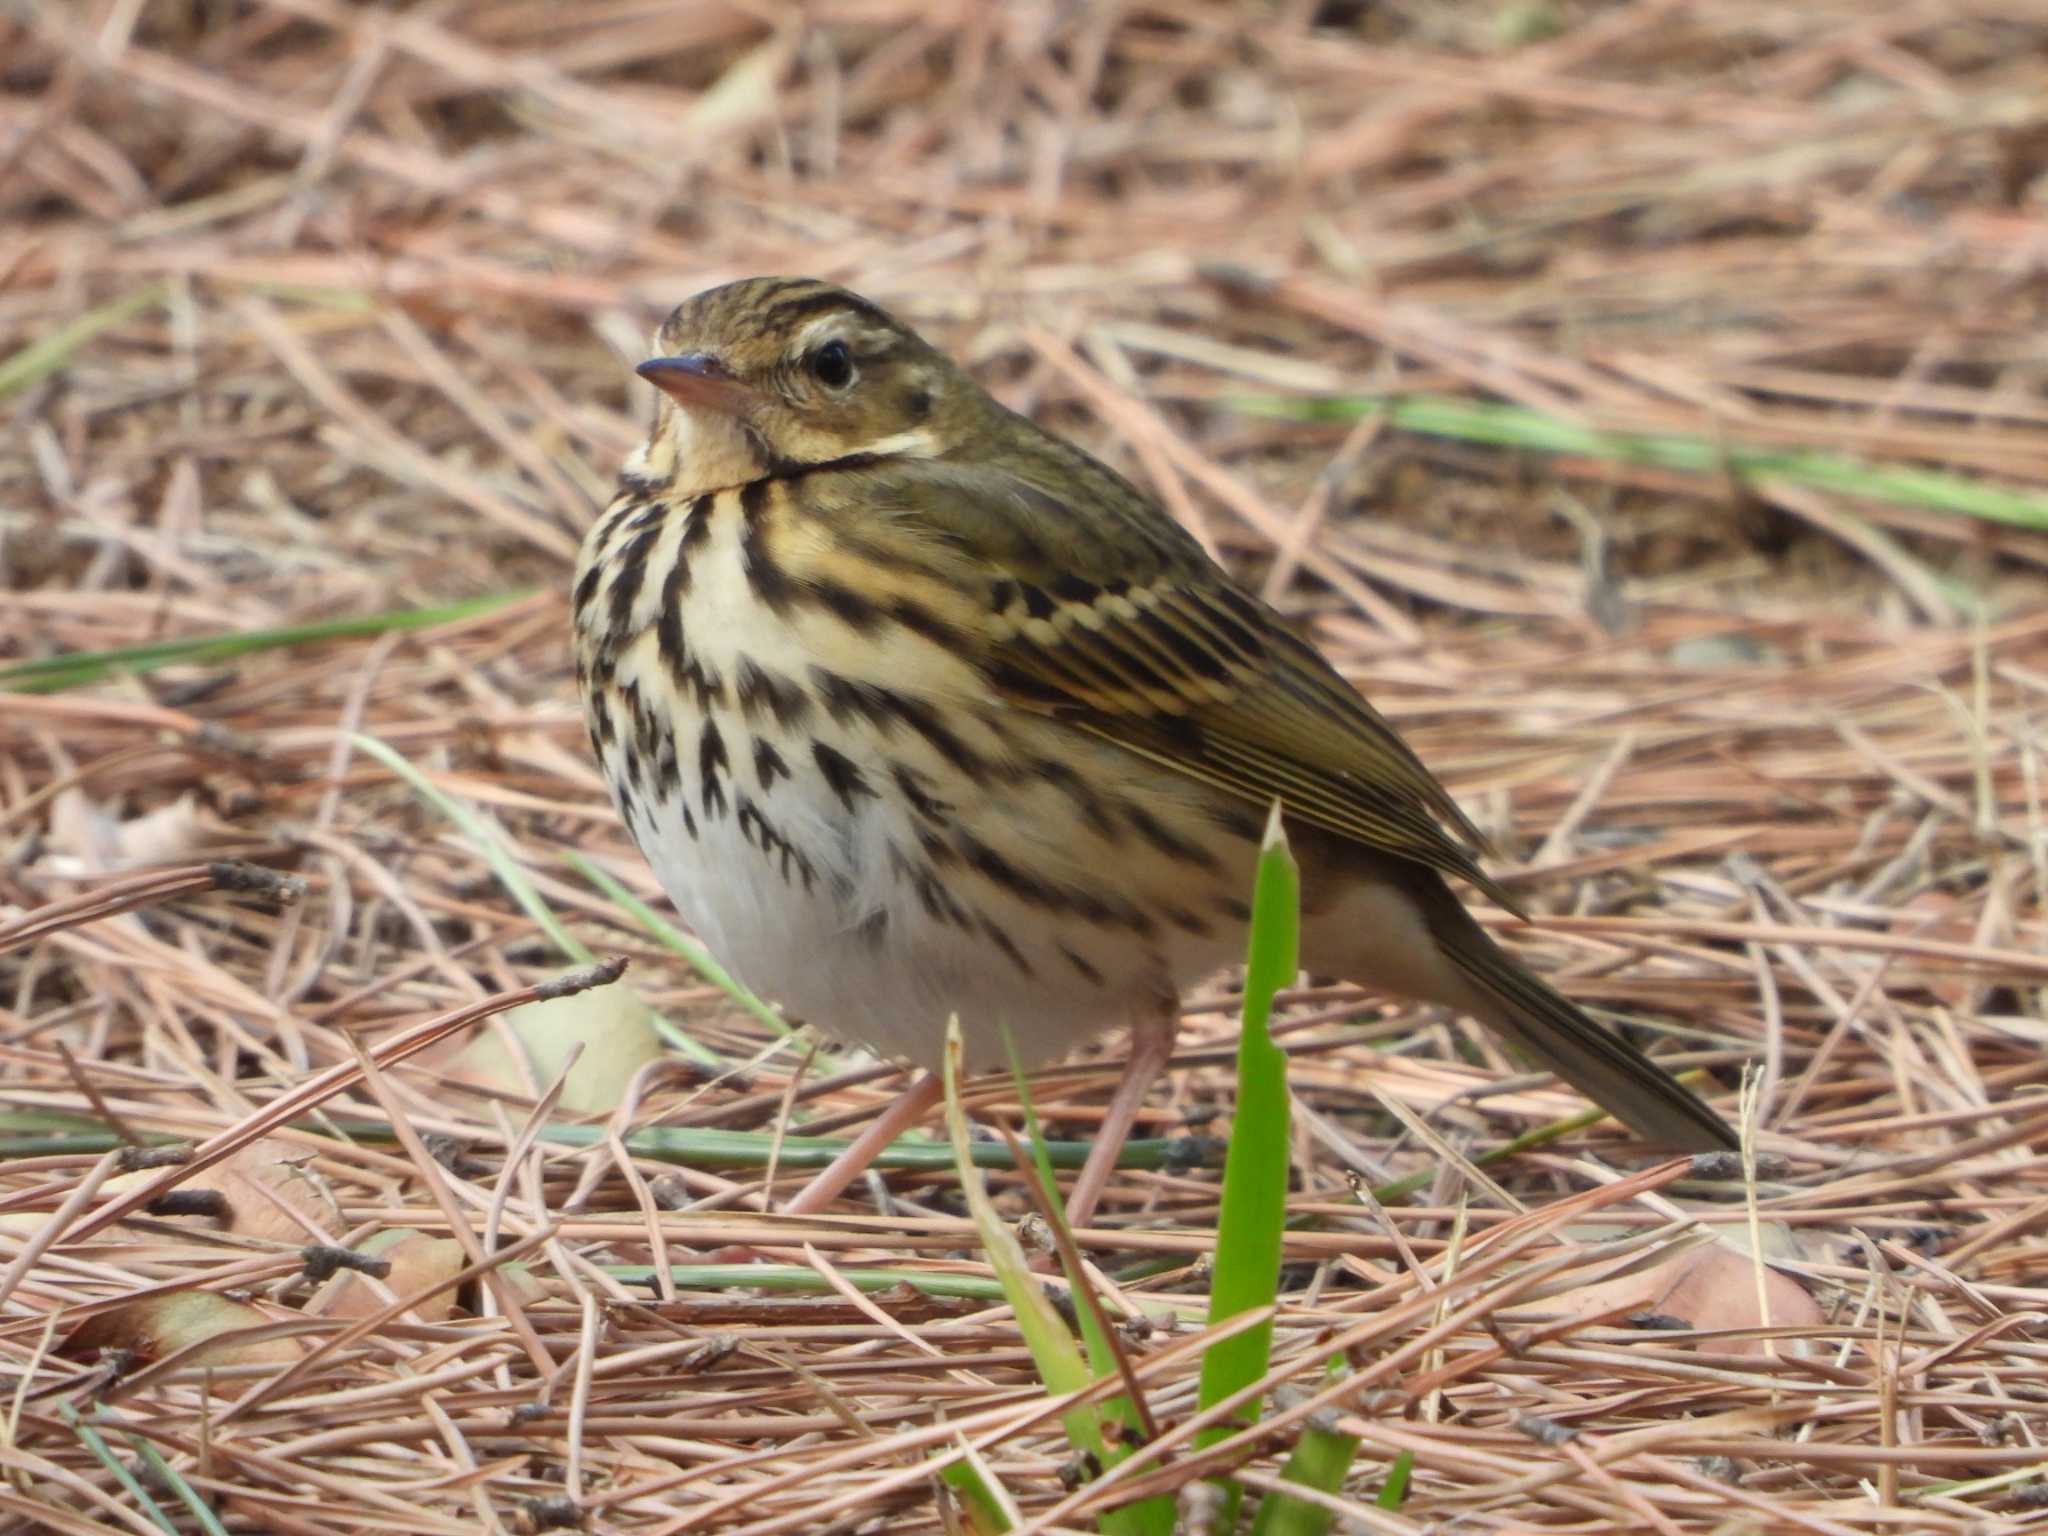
{"points": [[698, 1146], [208, 1522], [103, 1453], [1146, 1517], [52, 674], [1395, 1488], [1052, 1346], [1512, 426], [1254, 1204], [39, 359], [489, 842], [800, 1280], [990, 1509], [1322, 1459], [1035, 1137]]}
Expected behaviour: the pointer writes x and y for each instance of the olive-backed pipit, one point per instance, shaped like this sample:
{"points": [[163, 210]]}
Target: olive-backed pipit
{"points": [[918, 710]]}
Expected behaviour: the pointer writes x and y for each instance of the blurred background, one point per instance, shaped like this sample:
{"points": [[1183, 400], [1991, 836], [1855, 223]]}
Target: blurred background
{"points": [[315, 306], [1644, 401]]}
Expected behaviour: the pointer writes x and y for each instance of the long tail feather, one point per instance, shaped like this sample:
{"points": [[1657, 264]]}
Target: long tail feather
{"points": [[1556, 1033]]}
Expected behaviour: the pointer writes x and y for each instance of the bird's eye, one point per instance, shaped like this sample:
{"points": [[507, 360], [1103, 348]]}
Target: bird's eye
{"points": [[832, 365]]}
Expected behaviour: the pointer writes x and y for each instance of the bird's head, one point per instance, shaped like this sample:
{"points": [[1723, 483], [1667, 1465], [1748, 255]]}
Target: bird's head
{"points": [[771, 375]]}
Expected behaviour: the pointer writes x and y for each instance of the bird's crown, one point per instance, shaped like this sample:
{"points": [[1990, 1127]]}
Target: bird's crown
{"points": [[771, 374]]}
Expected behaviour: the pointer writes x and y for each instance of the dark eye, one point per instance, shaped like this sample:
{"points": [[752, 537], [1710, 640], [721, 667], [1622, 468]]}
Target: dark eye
{"points": [[832, 365]]}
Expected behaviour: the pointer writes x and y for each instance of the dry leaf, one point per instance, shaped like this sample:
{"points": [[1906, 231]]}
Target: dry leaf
{"points": [[85, 840], [614, 1027], [267, 1190], [417, 1262], [157, 1327], [1709, 1287]]}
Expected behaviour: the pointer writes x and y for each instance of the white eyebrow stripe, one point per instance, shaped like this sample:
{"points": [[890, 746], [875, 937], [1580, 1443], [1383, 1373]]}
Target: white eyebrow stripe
{"points": [[917, 443], [816, 328]]}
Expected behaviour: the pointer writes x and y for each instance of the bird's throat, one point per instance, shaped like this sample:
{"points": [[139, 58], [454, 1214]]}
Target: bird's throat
{"points": [[693, 452]]}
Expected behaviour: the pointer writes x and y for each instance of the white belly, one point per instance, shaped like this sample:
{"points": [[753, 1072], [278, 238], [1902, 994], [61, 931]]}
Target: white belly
{"points": [[811, 907], [786, 836]]}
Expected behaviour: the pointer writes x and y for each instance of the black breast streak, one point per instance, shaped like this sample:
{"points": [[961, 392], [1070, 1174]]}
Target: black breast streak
{"points": [[615, 516], [1166, 840], [923, 718], [642, 723], [841, 776], [629, 575], [770, 582], [705, 685], [756, 829], [932, 895], [999, 937], [1051, 896], [768, 763], [1082, 968], [848, 606], [847, 701], [586, 587], [1077, 789], [711, 762], [668, 617], [668, 772], [760, 689], [915, 788], [697, 524], [691, 675]]}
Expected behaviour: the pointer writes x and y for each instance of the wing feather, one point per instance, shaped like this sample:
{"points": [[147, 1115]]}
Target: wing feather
{"points": [[1148, 643]]}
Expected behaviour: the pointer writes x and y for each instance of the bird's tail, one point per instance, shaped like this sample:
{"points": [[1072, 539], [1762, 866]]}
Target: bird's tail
{"points": [[1557, 1034]]}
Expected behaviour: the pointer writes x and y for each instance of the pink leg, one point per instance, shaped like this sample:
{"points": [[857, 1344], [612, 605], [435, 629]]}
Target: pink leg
{"points": [[1152, 1033], [909, 1108]]}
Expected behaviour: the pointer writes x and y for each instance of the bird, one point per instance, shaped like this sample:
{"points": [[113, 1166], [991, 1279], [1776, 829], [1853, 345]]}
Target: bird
{"points": [[919, 711]]}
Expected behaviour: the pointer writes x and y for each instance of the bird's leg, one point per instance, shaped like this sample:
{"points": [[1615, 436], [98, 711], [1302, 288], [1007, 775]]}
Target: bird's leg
{"points": [[1152, 1032], [909, 1108]]}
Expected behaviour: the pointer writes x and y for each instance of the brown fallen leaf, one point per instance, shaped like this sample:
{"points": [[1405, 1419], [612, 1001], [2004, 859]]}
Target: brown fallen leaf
{"points": [[1707, 1288], [265, 1192], [417, 1261], [612, 1025], [154, 1328], [86, 839]]}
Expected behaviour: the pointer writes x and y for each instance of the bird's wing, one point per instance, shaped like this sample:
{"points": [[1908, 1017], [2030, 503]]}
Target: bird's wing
{"points": [[1113, 619]]}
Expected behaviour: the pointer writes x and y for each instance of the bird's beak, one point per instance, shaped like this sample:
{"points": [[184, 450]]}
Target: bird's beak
{"points": [[697, 381]]}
